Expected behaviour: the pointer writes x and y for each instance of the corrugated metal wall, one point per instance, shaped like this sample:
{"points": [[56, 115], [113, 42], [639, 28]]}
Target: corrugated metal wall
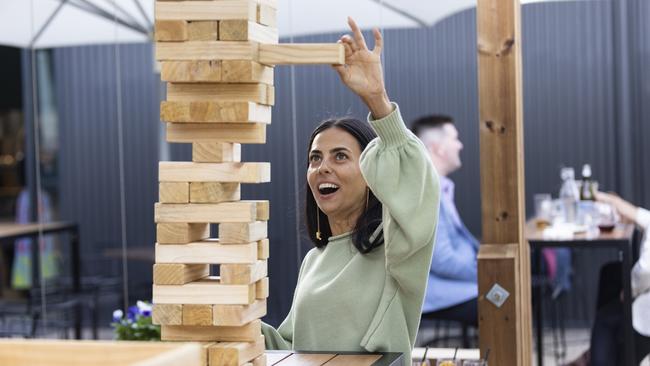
{"points": [[569, 113]]}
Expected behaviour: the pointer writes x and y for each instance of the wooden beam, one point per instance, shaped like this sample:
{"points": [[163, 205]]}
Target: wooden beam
{"points": [[233, 233], [206, 291], [502, 183], [242, 211], [235, 353], [244, 30], [214, 112], [267, 15], [208, 251], [179, 274], [244, 133], [171, 30], [262, 288], [216, 152], [170, 314], [193, 315], [181, 171], [300, 54], [241, 71], [213, 192], [174, 192], [247, 333], [263, 249], [243, 274], [187, 92], [181, 233], [206, 10], [207, 50], [203, 30], [238, 315], [191, 71]]}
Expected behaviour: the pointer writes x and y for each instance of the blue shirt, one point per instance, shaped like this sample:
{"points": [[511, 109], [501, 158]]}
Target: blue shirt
{"points": [[453, 273]]}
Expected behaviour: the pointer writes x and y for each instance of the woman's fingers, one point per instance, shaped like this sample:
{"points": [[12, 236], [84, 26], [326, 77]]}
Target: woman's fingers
{"points": [[379, 41], [349, 42], [358, 37]]}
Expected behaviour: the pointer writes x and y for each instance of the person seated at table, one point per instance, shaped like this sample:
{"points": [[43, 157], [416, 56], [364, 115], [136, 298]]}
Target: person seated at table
{"points": [[372, 201], [452, 288], [607, 333]]}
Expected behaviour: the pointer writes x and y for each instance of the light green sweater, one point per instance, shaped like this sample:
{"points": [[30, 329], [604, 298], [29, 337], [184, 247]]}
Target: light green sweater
{"points": [[348, 301]]}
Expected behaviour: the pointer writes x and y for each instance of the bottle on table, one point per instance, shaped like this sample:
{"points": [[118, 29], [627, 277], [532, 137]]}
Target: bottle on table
{"points": [[587, 188], [569, 194]]}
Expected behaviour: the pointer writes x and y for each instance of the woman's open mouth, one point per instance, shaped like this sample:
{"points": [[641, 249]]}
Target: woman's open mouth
{"points": [[326, 189]]}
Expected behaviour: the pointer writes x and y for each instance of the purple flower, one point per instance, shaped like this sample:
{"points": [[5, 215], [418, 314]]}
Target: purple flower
{"points": [[117, 315], [132, 313]]}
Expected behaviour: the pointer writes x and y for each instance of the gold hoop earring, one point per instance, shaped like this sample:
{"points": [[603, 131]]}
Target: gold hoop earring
{"points": [[367, 197], [318, 236]]}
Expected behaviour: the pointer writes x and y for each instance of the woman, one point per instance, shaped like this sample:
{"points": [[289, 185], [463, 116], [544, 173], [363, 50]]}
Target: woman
{"points": [[372, 209]]}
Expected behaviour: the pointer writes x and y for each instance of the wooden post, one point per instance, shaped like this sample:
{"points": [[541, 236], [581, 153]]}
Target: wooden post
{"points": [[504, 258]]}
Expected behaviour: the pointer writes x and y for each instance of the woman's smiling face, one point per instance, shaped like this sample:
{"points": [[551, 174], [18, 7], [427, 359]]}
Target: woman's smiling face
{"points": [[334, 175]]}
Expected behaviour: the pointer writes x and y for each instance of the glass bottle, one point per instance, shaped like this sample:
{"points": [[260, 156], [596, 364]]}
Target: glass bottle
{"points": [[569, 194], [587, 188]]}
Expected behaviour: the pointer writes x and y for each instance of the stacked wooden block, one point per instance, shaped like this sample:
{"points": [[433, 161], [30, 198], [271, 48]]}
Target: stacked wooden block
{"points": [[217, 58]]}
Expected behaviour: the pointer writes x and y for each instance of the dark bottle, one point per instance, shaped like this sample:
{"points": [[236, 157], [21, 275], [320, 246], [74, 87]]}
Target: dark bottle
{"points": [[587, 188]]}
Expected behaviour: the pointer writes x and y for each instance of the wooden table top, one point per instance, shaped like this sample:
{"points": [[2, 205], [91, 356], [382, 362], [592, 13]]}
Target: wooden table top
{"points": [[620, 232], [295, 358]]}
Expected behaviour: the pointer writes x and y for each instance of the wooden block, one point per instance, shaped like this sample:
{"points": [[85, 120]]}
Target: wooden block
{"points": [[263, 249], [235, 353], [179, 171], [263, 211], [203, 30], [192, 333], [216, 152], [206, 291], [270, 95], [262, 288], [213, 192], [214, 112], [207, 251], [237, 315], [185, 92], [237, 71], [174, 192], [191, 71], [171, 30], [179, 274], [244, 30], [242, 274], [244, 133], [205, 347], [242, 232], [267, 15], [181, 233], [299, 54], [242, 211], [260, 361], [195, 315], [168, 314], [210, 50], [206, 10]]}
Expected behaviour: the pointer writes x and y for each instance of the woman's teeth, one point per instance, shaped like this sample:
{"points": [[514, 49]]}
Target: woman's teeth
{"points": [[327, 188]]}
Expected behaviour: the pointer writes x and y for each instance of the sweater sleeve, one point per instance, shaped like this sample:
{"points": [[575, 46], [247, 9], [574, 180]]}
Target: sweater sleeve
{"points": [[641, 269], [399, 172]]}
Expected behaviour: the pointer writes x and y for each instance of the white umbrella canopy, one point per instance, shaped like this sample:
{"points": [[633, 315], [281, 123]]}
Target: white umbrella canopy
{"points": [[57, 23]]}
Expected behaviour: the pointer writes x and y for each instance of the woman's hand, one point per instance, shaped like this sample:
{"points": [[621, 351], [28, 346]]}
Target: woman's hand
{"points": [[362, 71], [624, 208]]}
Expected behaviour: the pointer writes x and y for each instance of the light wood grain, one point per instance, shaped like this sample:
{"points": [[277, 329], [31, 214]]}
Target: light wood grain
{"points": [[243, 30], [242, 274], [263, 249], [203, 30], [178, 273], [207, 291], [237, 315], [181, 171], [242, 232], [190, 92], [193, 315], [174, 192], [213, 192], [170, 314], [207, 252], [181, 233], [267, 15], [216, 152], [262, 288], [242, 71], [301, 54], [235, 353], [206, 10], [214, 112], [171, 30], [208, 50], [242, 211], [191, 71], [247, 333], [245, 133]]}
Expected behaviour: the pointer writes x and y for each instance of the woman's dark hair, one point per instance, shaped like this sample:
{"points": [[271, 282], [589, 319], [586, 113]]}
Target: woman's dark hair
{"points": [[370, 219]]}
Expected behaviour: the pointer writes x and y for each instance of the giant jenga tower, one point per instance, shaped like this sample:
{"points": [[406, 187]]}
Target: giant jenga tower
{"points": [[217, 58]]}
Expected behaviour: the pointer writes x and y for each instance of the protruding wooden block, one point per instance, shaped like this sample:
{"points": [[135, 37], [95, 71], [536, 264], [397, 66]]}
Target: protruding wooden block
{"points": [[206, 291], [181, 233], [238, 71], [262, 288], [203, 30], [171, 30], [206, 10], [237, 315], [244, 30], [186, 92], [216, 152], [207, 251], [267, 15], [195, 315], [247, 333], [174, 192], [213, 192], [242, 232], [191, 71], [214, 112], [242, 211], [180, 171], [179, 274], [244, 133], [263, 249], [300, 54], [169, 314], [214, 50], [242, 274], [235, 353]]}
